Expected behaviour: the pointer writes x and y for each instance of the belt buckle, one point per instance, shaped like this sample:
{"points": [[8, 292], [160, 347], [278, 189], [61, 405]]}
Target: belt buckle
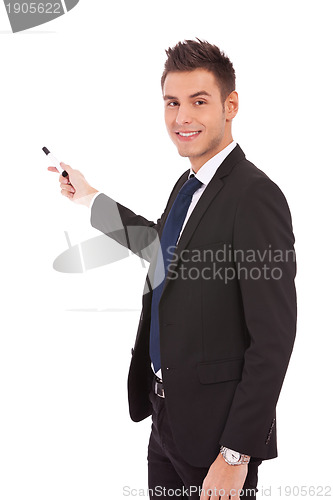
{"points": [[159, 391]]}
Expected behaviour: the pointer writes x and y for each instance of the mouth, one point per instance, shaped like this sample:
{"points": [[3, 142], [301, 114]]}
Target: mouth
{"points": [[188, 135]]}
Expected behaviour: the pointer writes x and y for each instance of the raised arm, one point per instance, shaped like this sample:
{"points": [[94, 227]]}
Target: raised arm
{"points": [[133, 231]]}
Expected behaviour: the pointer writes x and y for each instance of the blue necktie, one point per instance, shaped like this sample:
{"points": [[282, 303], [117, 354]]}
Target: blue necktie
{"points": [[169, 238]]}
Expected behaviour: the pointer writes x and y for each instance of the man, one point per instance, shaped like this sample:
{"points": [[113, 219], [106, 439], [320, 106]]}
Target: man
{"points": [[219, 310]]}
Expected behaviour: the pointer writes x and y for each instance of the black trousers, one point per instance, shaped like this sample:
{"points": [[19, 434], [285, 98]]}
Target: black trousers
{"points": [[168, 474]]}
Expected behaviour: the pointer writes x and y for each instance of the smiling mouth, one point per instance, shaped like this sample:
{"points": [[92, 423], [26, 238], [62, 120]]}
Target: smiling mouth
{"points": [[188, 134]]}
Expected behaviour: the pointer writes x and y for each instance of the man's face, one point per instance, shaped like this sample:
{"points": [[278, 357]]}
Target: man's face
{"points": [[194, 114]]}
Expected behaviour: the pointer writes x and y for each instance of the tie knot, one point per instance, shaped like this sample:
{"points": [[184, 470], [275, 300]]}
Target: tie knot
{"points": [[190, 186]]}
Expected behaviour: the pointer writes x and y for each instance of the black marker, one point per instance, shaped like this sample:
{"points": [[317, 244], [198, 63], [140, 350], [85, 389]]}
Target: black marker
{"points": [[55, 162]]}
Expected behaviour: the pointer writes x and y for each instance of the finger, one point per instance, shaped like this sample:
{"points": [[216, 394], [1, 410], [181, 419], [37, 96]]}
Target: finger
{"points": [[206, 492], [220, 493], [203, 495], [67, 194], [216, 494], [68, 187], [64, 180], [65, 166], [52, 169]]}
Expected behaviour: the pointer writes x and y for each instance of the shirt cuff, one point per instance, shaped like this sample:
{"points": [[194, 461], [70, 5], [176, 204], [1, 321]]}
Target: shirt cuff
{"points": [[93, 199]]}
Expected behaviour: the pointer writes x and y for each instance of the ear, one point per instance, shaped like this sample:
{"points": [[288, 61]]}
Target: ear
{"points": [[231, 105]]}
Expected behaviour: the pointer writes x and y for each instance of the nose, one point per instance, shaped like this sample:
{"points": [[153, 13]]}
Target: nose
{"points": [[183, 115]]}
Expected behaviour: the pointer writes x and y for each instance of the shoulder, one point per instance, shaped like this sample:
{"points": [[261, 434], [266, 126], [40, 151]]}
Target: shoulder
{"points": [[262, 208], [252, 183], [248, 175]]}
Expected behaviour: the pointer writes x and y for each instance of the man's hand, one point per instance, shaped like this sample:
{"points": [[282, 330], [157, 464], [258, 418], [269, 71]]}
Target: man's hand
{"points": [[74, 186], [223, 481]]}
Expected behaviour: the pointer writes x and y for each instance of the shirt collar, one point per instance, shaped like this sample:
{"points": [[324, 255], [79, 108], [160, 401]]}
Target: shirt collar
{"points": [[208, 169]]}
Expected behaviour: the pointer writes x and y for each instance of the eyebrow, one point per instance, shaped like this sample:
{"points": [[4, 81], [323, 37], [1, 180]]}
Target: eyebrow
{"points": [[192, 96]]}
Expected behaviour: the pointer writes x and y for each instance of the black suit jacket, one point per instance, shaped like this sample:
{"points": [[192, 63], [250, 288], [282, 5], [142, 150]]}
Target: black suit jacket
{"points": [[227, 312]]}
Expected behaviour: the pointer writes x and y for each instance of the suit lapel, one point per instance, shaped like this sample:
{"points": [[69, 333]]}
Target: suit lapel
{"points": [[177, 188], [211, 191]]}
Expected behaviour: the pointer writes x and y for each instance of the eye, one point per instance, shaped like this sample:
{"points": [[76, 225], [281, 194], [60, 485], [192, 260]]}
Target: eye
{"points": [[172, 104], [199, 102]]}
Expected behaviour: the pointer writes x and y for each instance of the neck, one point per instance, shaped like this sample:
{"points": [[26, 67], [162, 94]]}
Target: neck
{"points": [[198, 162]]}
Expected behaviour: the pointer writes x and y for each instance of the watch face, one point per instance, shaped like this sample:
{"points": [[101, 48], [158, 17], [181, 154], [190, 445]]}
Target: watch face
{"points": [[232, 456]]}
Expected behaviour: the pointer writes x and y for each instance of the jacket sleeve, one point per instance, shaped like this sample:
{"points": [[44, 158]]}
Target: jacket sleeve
{"points": [[124, 226], [133, 231], [265, 265]]}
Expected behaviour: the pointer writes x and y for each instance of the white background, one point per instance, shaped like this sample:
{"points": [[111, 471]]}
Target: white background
{"points": [[87, 86]]}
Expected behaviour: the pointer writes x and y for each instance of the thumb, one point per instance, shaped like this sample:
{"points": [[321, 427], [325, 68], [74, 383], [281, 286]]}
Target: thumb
{"points": [[65, 166]]}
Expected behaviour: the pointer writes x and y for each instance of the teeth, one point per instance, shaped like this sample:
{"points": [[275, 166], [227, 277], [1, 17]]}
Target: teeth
{"points": [[187, 135]]}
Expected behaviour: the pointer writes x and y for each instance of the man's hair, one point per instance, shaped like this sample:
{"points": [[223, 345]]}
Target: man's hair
{"points": [[196, 54]]}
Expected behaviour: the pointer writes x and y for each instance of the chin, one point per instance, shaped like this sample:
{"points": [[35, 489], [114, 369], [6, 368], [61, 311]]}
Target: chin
{"points": [[186, 153], [183, 154]]}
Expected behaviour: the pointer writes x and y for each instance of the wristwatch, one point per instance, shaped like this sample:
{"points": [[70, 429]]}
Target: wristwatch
{"points": [[234, 457]]}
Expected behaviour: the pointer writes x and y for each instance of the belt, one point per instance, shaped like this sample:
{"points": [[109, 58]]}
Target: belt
{"points": [[158, 387]]}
